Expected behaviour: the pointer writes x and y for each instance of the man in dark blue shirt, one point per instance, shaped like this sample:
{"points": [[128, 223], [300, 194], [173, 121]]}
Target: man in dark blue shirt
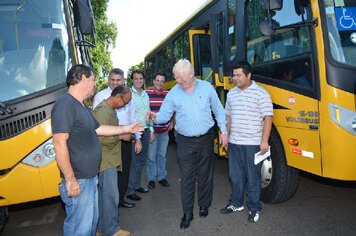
{"points": [[78, 151]]}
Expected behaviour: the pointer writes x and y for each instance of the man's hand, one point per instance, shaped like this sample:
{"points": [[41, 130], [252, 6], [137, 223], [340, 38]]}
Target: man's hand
{"points": [[135, 128], [138, 146], [73, 188], [264, 147], [150, 116], [224, 140], [152, 137]]}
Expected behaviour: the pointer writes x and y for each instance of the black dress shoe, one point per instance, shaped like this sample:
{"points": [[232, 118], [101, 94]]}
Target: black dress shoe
{"points": [[186, 219], [134, 197], [164, 183], [203, 212], [127, 204], [141, 190], [151, 184]]}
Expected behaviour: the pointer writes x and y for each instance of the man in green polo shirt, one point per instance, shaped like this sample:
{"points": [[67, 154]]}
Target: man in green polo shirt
{"points": [[105, 113]]}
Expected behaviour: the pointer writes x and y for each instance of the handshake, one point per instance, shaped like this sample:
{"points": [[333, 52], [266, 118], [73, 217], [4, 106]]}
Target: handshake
{"points": [[150, 116]]}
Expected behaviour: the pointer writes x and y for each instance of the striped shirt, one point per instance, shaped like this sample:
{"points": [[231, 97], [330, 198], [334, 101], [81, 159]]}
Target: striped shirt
{"points": [[156, 100], [247, 109], [193, 111]]}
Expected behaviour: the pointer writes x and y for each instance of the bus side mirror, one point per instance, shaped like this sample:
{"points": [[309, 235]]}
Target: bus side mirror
{"points": [[84, 16], [273, 4], [300, 5]]}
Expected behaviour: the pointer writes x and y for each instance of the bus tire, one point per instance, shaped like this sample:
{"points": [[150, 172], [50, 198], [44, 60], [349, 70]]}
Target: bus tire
{"points": [[279, 181]]}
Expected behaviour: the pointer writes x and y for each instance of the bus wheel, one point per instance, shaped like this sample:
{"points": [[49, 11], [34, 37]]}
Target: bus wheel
{"points": [[3, 218], [279, 182]]}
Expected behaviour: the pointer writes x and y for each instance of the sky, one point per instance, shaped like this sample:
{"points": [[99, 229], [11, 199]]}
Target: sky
{"points": [[143, 24]]}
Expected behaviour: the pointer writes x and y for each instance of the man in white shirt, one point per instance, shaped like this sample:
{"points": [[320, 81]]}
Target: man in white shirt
{"points": [[126, 115]]}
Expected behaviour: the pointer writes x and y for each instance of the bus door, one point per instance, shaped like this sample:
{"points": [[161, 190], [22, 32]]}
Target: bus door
{"points": [[201, 58], [200, 55], [222, 37]]}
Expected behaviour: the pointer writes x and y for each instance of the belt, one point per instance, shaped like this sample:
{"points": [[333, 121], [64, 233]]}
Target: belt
{"points": [[197, 136]]}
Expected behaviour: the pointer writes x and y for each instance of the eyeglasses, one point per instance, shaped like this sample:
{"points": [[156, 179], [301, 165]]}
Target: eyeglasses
{"points": [[123, 101]]}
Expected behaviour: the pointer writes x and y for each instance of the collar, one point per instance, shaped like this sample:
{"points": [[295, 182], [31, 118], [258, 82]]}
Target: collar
{"points": [[253, 85]]}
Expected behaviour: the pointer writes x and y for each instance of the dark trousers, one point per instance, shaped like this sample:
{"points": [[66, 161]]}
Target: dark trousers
{"points": [[126, 164], [195, 159]]}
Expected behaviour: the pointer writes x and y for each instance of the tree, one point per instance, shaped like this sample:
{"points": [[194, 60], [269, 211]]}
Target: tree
{"points": [[106, 34]]}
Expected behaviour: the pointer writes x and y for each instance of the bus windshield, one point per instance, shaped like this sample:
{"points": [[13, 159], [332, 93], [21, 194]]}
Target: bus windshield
{"points": [[34, 51], [341, 23]]}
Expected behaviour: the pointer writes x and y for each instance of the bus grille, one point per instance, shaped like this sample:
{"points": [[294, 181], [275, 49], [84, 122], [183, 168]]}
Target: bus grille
{"points": [[18, 126]]}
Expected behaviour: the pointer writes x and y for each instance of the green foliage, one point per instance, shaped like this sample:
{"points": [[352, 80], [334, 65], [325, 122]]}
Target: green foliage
{"points": [[101, 83], [106, 33]]}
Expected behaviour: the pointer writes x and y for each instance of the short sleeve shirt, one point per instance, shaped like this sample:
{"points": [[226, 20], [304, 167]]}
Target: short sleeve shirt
{"points": [[110, 145], [70, 116], [247, 109]]}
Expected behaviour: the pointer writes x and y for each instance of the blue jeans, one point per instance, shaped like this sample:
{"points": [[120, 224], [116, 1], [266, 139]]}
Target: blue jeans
{"points": [[244, 176], [82, 211], [108, 202], [137, 163], [156, 163]]}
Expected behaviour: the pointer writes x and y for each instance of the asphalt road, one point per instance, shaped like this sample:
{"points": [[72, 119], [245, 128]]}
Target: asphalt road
{"points": [[320, 207]]}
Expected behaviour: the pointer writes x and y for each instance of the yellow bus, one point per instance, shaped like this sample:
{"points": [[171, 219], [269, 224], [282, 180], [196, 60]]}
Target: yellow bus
{"points": [[39, 41], [304, 53]]}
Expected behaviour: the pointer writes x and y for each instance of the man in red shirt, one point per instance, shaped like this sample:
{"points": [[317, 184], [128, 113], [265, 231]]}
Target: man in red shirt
{"points": [[156, 163]]}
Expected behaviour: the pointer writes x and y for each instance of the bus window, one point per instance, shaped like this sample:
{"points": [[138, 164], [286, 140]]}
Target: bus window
{"points": [[287, 46], [285, 42], [164, 62], [150, 70], [202, 57], [180, 50], [341, 23], [181, 47], [34, 46]]}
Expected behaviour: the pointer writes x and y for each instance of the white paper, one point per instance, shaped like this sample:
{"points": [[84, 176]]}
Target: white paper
{"points": [[259, 157]]}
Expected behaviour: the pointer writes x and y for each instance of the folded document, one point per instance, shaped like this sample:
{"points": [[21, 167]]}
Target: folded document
{"points": [[259, 157]]}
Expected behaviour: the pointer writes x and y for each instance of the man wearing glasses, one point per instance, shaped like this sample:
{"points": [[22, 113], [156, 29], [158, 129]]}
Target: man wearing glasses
{"points": [[126, 115], [105, 113]]}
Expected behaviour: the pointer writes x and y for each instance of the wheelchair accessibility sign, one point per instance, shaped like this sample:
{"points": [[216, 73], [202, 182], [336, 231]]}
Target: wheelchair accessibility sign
{"points": [[346, 18]]}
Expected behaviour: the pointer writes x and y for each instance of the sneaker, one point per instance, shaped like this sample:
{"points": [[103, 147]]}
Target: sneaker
{"points": [[253, 216], [229, 208], [164, 183], [151, 184]]}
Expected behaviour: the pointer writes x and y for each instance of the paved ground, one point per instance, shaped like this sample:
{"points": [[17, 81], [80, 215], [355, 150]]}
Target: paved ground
{"points": [[320, 207]]}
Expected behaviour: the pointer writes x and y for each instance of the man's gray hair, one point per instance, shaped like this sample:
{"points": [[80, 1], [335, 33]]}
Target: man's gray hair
{"points": [[183, 65]]}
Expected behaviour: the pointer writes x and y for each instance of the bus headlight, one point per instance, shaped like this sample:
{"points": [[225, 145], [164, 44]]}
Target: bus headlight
{"points": [[42, 155], [48, 150], [343, 117]]}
